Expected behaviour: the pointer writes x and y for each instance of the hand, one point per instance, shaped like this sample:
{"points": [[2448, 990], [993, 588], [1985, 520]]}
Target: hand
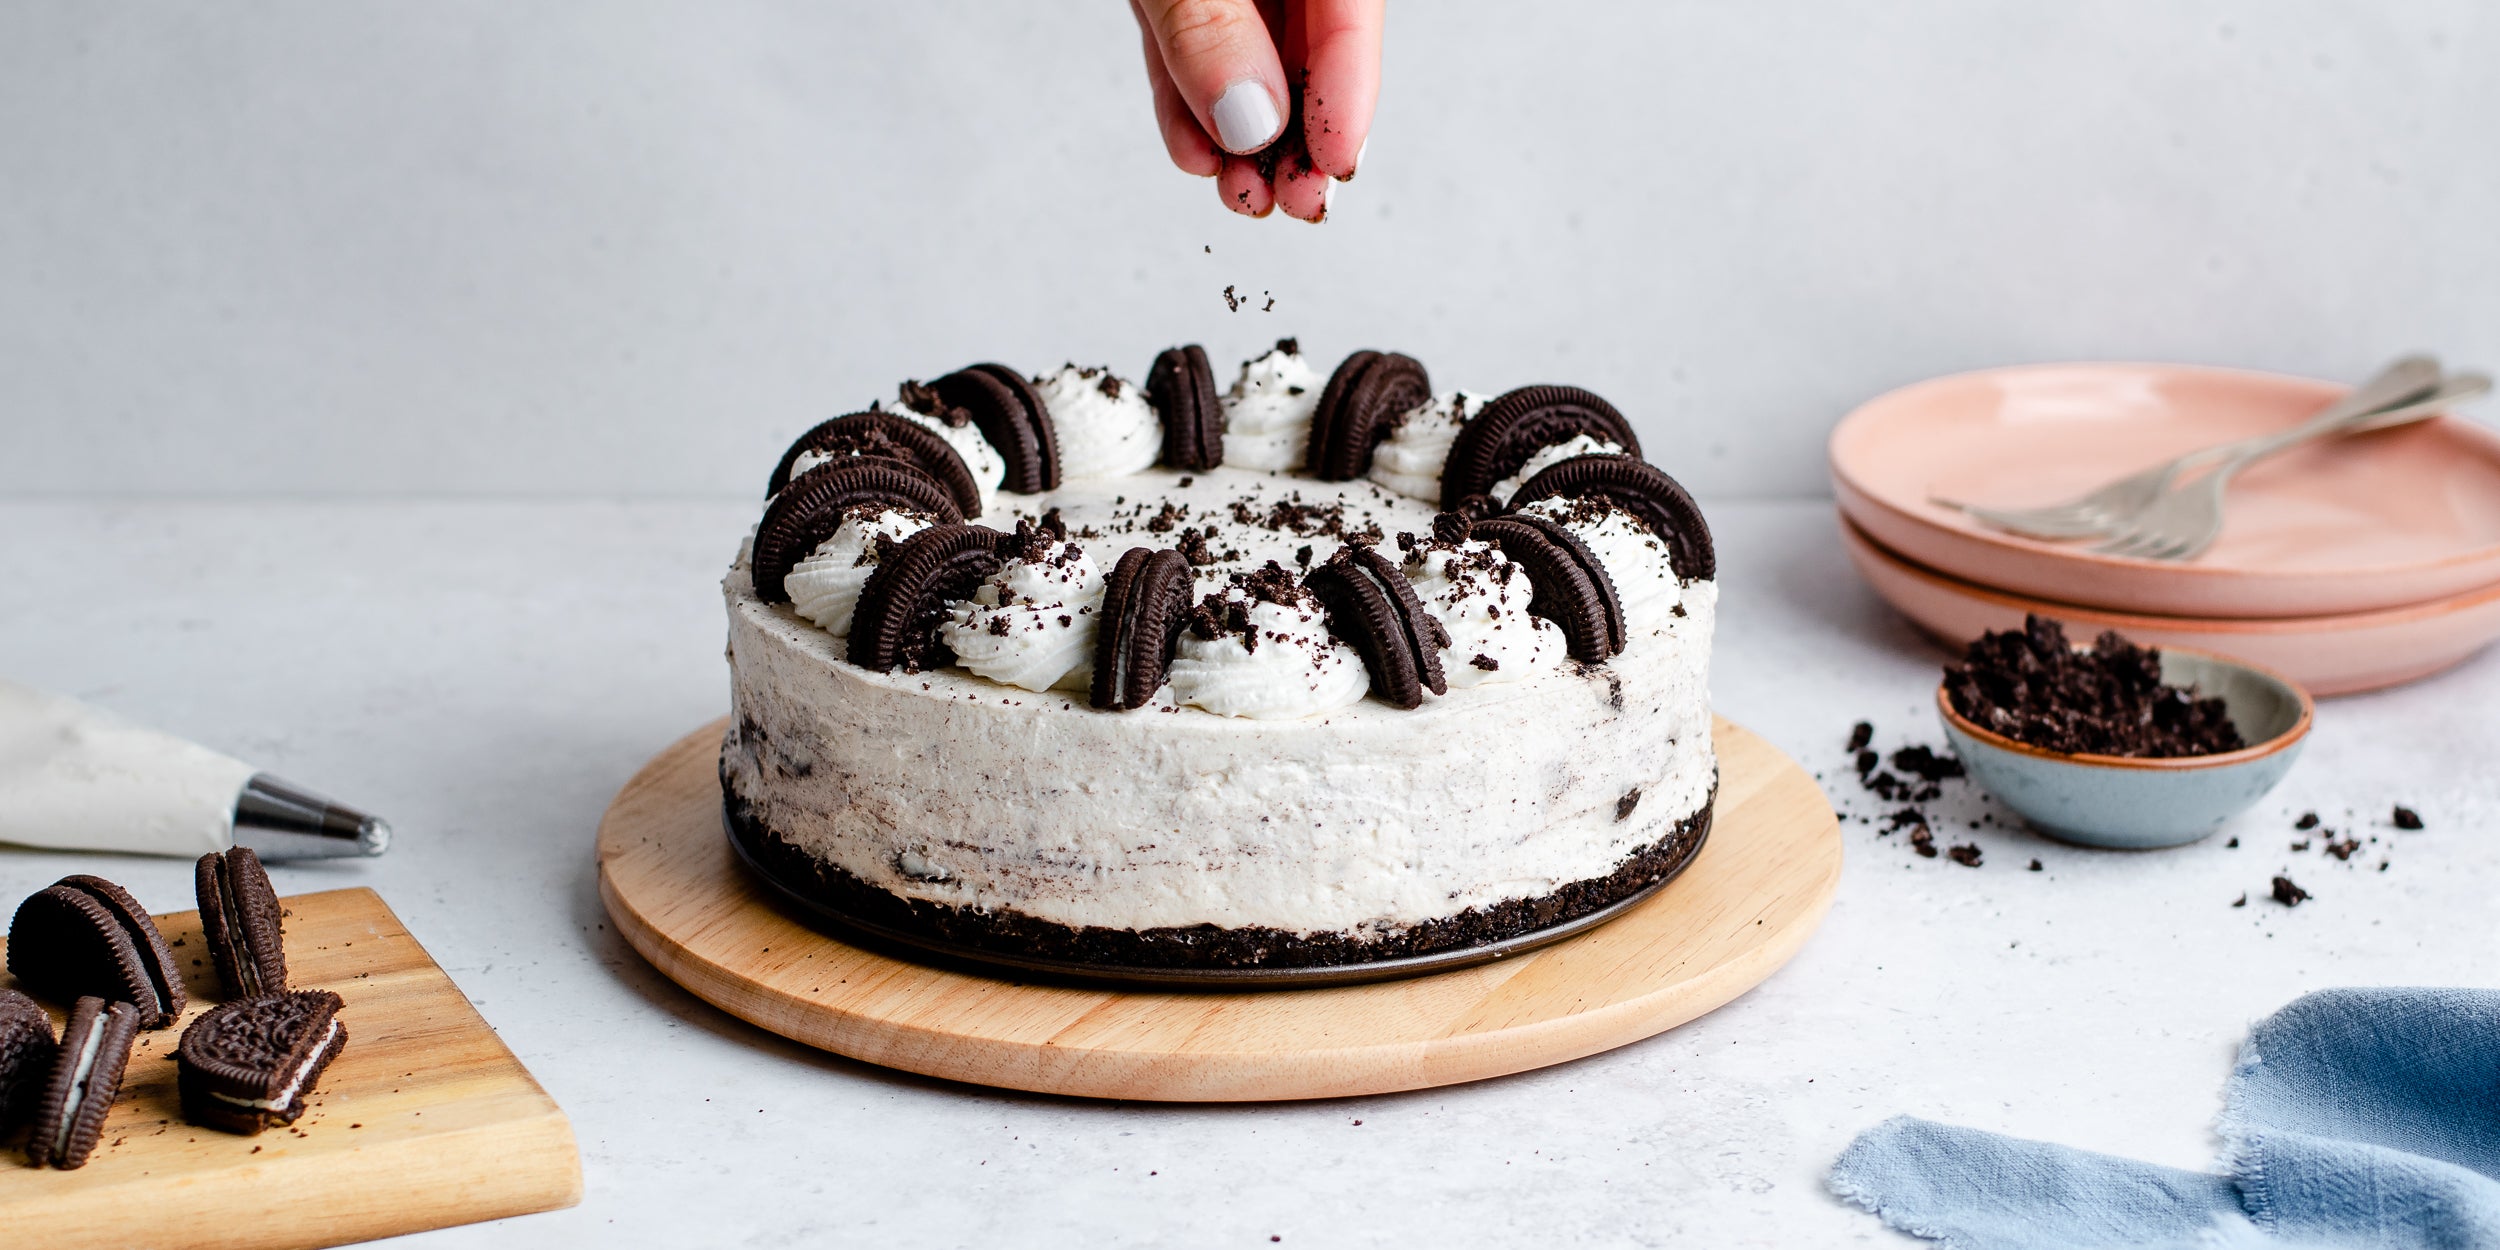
{"points": [[1224, 74]]}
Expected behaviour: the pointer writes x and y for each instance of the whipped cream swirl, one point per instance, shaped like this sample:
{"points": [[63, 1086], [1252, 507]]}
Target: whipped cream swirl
{"points": [[1482, 599], [1409, 461], [1549, 456], [1267, 414], [824, 587], [1032, 624], [1105, 426], [1637, 559], [1252, 657]]}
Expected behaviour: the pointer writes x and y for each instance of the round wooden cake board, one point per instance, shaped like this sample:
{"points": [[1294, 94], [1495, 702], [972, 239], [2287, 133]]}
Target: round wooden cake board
{"points": [[1748, 902]]}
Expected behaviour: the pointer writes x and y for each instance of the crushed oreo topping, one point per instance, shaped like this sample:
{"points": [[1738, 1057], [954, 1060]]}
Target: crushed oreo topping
{"points": [[2035, 688]]}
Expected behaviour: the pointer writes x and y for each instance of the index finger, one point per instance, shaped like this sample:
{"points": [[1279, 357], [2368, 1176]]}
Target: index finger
{"points": [[1342, 83]]}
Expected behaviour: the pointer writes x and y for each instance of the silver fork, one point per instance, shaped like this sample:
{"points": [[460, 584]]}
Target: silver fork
{"points": [[2183, 523], [2107, 508]]}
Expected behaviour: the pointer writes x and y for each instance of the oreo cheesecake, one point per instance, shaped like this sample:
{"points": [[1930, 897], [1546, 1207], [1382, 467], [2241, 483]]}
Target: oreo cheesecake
{"points": [[1314, 669]]}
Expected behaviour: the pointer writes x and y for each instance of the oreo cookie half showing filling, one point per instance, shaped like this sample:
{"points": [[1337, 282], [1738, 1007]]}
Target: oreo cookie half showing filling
{"points": [[1371, 606], [1572, 588], [1145, 601], [86, 1078], [244, 1066], [904, 601], [1642, 489], [26, 1051], [802, 517], [884, 436], [239, 918], [1363, 400], [1514, 427], [86, 935], [1181, 386], [1012, 417]]}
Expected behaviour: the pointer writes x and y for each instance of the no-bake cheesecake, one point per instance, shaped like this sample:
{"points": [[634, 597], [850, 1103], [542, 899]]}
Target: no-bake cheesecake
{"points": [[1315, 669]]}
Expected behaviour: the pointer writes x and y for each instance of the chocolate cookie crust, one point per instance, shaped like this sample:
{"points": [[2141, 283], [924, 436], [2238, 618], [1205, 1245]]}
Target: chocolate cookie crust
{"points": [[1200, 946]]}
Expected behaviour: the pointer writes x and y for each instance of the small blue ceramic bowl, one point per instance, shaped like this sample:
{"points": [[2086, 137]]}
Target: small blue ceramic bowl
{"points": [[2138, 804]]}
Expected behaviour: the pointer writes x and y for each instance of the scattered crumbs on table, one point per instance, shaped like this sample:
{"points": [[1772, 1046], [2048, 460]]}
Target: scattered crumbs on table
{"points": [[1966, 854], [2308, 820], [2289, 894], [2035, 865], [2407, 818], [2241, 901]]}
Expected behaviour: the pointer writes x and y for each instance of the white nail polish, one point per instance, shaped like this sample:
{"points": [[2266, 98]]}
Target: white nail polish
{"points": [[1359, 154], [1328, 195], [1245, 117]]}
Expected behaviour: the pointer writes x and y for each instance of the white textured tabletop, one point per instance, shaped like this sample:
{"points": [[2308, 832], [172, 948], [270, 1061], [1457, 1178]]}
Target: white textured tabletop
{"points": [[486, 674]]}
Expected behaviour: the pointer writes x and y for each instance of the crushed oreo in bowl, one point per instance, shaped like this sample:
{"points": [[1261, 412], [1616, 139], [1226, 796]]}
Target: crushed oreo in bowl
{"points": [[2036, 688]]}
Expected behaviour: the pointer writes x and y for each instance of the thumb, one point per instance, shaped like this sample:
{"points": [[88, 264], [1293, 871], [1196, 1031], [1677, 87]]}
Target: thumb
{"points": [[1223, 60]]}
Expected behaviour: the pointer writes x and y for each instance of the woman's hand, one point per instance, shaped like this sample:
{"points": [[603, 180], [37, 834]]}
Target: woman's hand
{"points": [[1225, 75]]}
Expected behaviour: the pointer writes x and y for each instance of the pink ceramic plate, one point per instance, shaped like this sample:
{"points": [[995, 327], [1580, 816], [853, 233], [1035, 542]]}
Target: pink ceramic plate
{"points": [[2329, 654], [2403, 516]]}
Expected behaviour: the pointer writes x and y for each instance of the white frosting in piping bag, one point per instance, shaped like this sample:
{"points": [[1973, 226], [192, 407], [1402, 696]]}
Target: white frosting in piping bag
{"points": [[1267, 414], [1105, 425], [73, 777]]}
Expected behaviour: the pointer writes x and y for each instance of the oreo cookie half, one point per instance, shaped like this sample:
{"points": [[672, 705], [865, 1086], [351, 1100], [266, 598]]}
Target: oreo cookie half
{"points": [[1012, 416], [239, 918], [1640, 488], [802, 517], [244, 1066], [877, 435], [1514, 427], [1181, 386], [1366, 394], [86, 935], [1371, 606], [904, 601], [1572, 588], [86, 1078], [1145, 602], [26, 1050]]}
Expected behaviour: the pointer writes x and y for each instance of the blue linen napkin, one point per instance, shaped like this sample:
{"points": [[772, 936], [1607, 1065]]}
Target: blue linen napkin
{"points": [[2354, 1117]]}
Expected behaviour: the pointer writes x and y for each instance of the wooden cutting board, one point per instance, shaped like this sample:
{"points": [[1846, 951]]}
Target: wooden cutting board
{"points": [[1748, 902], [425, 1121]]}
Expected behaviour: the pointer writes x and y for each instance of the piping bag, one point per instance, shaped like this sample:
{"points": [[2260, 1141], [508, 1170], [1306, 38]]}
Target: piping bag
{"points": [[77, 778]]}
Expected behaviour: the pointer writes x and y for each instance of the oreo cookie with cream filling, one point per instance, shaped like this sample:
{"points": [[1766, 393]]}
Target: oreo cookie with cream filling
{"points": [[1145, 601], [1640, 488], [1571, 586], [1518, 424], [877, 435], [1012, 417], [240, 921], [1361, 404], [86, 1079], [1181, 386], [247, 1065], [86, 935], [904, 600], [1371, 606], [810, 509], [26, 1050]]}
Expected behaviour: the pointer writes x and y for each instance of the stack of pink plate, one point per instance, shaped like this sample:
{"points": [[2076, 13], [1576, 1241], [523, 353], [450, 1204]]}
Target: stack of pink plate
{"points": [[2347, 565]]}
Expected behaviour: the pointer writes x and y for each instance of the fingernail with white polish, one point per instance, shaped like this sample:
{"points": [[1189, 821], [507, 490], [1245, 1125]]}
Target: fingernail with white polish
{"points": [[1328, 195], [1245, 117]]}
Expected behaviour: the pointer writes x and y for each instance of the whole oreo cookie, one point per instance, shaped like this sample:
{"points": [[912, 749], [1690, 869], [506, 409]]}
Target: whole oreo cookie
{"points": [[1499, 441], [876, 435], [1145, 601], [804, 515], [86, 935], [1012, 416], [1572, 588], [1640, 488], [903, 602], [26, 1051], [1181, 386], [1366, 394], [1371, 605]]}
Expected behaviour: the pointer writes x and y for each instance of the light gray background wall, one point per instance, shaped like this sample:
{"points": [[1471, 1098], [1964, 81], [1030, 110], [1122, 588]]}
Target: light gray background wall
{"points": [[606, 248]]}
